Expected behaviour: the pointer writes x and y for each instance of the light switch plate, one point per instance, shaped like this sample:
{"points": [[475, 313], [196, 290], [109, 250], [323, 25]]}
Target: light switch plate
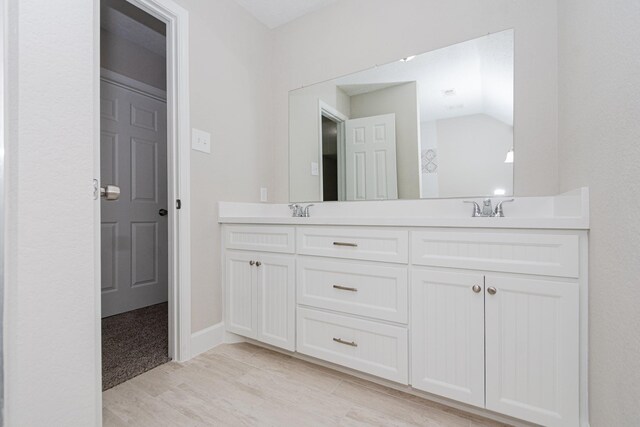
{"points": [[314, 169], [200, 140]]}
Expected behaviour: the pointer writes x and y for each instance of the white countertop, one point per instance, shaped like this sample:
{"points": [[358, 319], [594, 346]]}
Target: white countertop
{"points": [[550, 223], [569, 211]]}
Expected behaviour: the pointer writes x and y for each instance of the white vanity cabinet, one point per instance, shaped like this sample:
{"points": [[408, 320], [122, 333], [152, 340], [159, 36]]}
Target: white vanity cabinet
{"points": [[505, 341], [260, 286], [490, 317], [532, 349], [447, 334], [352, 295], [241, 294]]}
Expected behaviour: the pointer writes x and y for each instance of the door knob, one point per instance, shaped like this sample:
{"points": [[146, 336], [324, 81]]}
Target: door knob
{"points": [[252, 262], [492, 290], [476, 289], [163, 212], [258, 263], [110, 192]]}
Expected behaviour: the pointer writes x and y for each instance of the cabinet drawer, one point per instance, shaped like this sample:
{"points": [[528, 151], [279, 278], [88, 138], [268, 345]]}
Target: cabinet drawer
{"points": [[367, 346], [260, 238], [355, 243], [526, 253], [364, 289]]}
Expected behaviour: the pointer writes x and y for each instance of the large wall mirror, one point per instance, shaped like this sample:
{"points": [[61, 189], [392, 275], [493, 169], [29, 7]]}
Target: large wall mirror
{"points": [[434, 125]]}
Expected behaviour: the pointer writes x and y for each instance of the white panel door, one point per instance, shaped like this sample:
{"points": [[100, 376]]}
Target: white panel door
{"points": [[276, 300], [241, 294], [370, 146], [447, 327], [133, 152], [532, 350]]}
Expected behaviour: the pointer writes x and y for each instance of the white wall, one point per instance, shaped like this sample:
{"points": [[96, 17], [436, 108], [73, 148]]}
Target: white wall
{"points": [[599, 147], [230, 80], [471, 153], [367, 32], [403, 101], [51, 290]]}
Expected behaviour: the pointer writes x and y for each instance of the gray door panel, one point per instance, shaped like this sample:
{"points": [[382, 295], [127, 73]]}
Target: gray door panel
{"points": [[133, 151]]}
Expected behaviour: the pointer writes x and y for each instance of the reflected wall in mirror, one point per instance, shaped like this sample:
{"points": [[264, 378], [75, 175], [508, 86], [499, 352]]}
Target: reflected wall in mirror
{"points": [[434, 125]]}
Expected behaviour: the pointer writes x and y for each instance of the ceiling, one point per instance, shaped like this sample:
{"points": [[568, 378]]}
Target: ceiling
{"points": [[274, 13]]}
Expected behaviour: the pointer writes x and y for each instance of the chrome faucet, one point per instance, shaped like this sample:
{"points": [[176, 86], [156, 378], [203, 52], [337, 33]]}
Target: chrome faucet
{"points": [[487, 210], [476, 208], [305, 211], [498, 210], [298, 211]]}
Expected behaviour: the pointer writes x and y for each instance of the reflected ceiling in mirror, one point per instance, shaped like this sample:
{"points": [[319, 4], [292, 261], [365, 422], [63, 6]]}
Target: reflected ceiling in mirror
{"points": [[434, 125]]}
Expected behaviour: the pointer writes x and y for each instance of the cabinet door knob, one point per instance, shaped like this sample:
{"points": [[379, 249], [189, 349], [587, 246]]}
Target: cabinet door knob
{"points": [[492, 290], [477, 289], [251, 262], [258, 263]]}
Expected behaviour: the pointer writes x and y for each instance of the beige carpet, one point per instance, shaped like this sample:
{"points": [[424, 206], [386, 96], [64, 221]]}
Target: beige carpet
{"points": [[133, 343]]}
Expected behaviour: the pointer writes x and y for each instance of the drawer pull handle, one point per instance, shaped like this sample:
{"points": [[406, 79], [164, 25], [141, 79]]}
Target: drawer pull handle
{"points": [[492, 290], [341, 341], [344, 288], [351, 245]]}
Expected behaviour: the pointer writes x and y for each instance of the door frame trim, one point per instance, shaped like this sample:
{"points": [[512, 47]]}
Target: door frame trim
{"points": [[178, 133]]}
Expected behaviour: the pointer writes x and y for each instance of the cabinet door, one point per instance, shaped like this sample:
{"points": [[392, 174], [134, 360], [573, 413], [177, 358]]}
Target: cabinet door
{"points": [[532, 356], [447, 331], [276, 301], [241, 294]]}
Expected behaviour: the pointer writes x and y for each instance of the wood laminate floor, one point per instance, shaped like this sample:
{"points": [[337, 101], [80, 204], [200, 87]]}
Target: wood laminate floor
{"points": [[245, 385]]}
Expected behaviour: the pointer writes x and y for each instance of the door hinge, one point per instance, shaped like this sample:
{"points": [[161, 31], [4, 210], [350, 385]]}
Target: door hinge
{"points": [[178, 204]]}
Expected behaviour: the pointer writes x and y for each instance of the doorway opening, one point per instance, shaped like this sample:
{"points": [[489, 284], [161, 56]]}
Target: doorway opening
{"points": [[332, 155], [135, 172], [329, 160]]}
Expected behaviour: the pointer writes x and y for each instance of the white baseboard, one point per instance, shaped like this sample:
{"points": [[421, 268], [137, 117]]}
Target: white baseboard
{"points": [[208, 338]]}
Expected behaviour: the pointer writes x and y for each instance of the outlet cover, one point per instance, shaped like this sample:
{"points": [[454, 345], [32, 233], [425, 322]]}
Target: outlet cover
{"points": [[200, 140], [314, 169], [263, 194]]}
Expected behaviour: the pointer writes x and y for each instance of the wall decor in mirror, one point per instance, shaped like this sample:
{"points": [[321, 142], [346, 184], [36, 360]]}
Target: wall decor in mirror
{"points": [[434, 125]]}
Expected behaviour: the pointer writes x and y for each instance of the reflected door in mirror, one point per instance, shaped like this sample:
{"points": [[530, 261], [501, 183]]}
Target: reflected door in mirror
{"points": [[371, 158]]}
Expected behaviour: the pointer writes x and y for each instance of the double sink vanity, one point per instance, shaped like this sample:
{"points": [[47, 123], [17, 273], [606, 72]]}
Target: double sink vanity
{"points": [[488, 312], [480, 305]]}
